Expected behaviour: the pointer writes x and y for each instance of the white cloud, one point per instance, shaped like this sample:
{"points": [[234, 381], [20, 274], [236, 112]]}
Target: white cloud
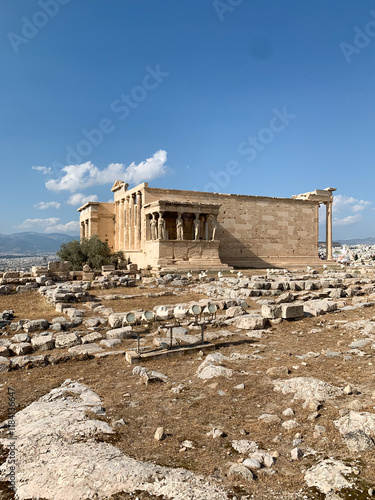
{"points": [[38, 223], [79, 199], [49, 225], [347, 221], [69, 227], [341, 202], [44, 170], [360, 206], [43, 205], [87, 175]]}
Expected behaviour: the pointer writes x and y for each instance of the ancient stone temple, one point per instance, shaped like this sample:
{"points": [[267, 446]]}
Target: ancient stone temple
{"points": [[171, 229]]}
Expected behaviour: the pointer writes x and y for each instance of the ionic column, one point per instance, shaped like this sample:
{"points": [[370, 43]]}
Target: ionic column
{"points": [[317, 230], [132, 221], [117, 236], [128, 222], [125, 228], [329, 230], [121, 225], [139, 220]]}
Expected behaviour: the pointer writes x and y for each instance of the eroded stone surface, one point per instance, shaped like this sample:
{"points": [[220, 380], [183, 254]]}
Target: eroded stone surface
{"points": [[59, 457], [328, 476], [307, 388]]}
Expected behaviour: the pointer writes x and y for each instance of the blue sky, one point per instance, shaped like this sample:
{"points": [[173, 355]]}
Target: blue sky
{"points": [[262, 98]]}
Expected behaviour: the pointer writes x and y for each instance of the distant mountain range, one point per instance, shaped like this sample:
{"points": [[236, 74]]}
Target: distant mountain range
{"points": [[358, 241], [39, 243], [33, 243]]}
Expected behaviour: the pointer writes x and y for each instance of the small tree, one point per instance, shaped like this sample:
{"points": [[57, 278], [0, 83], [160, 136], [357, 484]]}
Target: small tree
{"points": [[97, 252], [72, 252], [91, 251]]}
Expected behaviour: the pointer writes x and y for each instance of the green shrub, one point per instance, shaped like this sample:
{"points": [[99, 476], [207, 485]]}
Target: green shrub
{"points": [[91, 251]]}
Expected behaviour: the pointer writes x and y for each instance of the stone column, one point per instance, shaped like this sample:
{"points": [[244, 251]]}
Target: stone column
{"points": [[131, 222], [125, 226], [139, 220], [82, 227], [121, 225], [117, 204], [317, 230], [128, 222], [329, 230], [86, 228]]}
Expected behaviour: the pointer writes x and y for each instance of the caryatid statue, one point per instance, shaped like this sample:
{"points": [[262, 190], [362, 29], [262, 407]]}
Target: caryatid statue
{"points": [[154, 228], [197, 227], [179, 228], [214, 227], [161, 227]]}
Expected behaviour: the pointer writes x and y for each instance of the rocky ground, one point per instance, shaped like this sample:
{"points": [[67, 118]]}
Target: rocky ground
{"points": [[281, 405]]}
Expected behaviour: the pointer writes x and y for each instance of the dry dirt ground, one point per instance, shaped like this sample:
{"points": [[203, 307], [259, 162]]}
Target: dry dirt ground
{"points": [[200, 406]]}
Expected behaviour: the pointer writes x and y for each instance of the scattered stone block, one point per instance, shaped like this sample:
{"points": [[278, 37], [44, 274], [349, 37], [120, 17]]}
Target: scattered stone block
{"points": [[67, 340], [271, 311], [291, 311], [244, 446], [125, 332], [91, 337], [110, 343], [43, 342], [250, 322], [21, 348], [241, 472], [21, 337], [5, 364], [252, 464], [35, 325], [270, 419], [212, 371], [278, 371], [234, 312], [85, 349]]}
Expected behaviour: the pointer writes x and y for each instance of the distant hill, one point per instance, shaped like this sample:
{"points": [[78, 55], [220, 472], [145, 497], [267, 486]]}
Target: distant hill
{"points": [[358, 241], [32, 243]]}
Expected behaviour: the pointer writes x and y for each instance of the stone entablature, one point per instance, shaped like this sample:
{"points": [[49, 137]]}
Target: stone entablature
{"points": [[164, 227]]}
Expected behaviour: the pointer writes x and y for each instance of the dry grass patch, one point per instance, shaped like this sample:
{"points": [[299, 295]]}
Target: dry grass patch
{"points": [[28, 305]]}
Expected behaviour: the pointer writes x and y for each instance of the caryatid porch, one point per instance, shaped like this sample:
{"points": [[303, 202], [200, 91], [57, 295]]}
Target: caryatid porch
{"points": [[182, 235]]}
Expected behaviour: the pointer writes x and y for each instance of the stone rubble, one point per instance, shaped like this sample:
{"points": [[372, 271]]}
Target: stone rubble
{"points": [[79, 466]]}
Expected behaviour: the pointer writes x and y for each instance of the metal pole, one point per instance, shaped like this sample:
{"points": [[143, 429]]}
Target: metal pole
{"points": [[170, 336]]}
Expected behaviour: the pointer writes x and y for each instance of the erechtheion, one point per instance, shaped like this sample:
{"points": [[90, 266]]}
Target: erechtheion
{"points": [[171, 229]]}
